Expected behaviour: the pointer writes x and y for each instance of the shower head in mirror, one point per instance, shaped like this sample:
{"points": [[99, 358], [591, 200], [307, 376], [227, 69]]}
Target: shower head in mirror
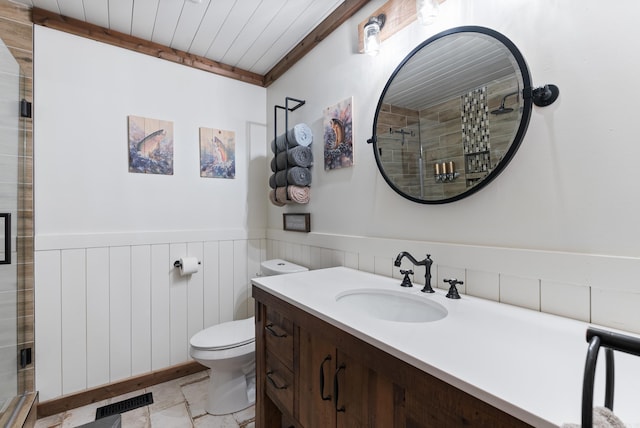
{"points": [[502, 109]]}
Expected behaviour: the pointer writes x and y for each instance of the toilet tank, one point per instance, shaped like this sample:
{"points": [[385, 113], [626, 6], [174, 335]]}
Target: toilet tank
{"points": [[279, 267]]}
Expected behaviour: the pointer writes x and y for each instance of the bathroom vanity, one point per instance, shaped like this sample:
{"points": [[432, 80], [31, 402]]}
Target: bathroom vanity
{"points": [[312, 374], [321, 363]]}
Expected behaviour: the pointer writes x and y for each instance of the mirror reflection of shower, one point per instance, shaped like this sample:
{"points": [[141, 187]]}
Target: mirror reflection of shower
{"points": [[411, 133], [402, 132], [502, 109]]}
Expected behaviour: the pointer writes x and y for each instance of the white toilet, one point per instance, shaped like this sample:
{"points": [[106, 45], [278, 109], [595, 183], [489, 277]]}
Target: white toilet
{"points": [[228, 349]]}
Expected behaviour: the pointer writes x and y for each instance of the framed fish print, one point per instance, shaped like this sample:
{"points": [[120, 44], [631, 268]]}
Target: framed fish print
{"points": [[217, 153], [150, 146], [337, 122]]}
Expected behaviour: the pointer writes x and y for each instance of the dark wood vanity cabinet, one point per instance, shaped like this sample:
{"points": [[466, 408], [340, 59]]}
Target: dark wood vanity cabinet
{"points": [[335, 390], [311, 374]]}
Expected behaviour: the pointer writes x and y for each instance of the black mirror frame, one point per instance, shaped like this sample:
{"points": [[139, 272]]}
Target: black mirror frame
{"points": [[522, 128]]}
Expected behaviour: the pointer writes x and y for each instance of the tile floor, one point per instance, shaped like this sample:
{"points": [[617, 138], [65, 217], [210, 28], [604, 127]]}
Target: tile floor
{"points": [[176, 404]]}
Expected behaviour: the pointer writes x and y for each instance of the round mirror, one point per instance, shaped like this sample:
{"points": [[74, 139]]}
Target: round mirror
{"points": [[452, 115]]}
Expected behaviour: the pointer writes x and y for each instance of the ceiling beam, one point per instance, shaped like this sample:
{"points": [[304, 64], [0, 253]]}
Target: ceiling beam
{"points": [[341, 14], [115, 38], [94, 32]]}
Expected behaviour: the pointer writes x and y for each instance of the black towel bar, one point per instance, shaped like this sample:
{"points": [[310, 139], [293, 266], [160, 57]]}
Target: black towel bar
{"points": [[610, 341]]}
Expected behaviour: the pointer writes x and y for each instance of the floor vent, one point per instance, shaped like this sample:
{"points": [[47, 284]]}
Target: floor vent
{"points": [[124, 405]]}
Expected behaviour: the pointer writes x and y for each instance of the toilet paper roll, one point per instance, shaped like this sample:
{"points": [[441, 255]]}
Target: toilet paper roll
{"points": [[188, 265]]}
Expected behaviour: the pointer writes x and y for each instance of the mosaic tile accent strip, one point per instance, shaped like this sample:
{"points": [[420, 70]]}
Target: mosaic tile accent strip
{"points": [[479, 162], [475, 130]]}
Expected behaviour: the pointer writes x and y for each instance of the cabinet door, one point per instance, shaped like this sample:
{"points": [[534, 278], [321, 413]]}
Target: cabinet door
{"points": [[364, 398], [317, 366], [335, 390]]}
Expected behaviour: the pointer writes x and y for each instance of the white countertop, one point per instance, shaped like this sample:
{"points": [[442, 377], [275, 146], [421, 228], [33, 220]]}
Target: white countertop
{"points": [[526, 363]]}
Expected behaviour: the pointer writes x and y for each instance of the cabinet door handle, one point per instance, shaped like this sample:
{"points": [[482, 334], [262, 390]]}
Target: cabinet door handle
{"points": [[273, 332], [335, 389], [273, 382], [328, 397]]}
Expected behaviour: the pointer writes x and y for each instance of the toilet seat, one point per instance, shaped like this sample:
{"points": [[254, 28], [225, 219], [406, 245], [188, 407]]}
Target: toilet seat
{"points": [[227, 335]]}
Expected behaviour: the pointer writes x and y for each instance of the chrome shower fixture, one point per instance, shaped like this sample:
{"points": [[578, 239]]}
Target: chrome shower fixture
{"points": [[403, 133]]}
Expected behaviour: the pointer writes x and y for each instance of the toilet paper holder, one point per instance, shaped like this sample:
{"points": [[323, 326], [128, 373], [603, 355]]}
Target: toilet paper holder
{"points": [[178, 263]]}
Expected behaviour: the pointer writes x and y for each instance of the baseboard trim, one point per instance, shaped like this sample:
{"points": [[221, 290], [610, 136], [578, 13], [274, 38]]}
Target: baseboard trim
{"points": [[88, 396]]}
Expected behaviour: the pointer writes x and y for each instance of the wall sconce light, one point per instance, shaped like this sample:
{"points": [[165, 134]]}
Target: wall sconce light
{"points": [[427, 11], [371, 33]]}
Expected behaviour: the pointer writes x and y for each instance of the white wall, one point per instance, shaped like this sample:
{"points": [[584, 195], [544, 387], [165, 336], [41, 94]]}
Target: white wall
{"points": [[565, 209], [569, 187], [109, 304], [84, 92]]}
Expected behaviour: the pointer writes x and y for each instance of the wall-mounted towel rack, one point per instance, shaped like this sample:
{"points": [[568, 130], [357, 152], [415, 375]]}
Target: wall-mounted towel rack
{"points": [[297, 104], [281, 172], [287, 109], [611, 342]]}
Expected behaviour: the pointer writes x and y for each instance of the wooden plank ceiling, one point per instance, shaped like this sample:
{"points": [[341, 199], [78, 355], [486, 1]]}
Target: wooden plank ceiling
{"points": [[255, 41]]}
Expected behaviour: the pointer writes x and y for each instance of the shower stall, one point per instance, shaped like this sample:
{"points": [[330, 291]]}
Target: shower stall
{"points": [[14, 306]]}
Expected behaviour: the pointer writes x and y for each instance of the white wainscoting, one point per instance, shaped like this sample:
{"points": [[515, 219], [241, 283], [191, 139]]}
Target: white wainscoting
{"points": [[106, 313], [593, 288], [110, 311]]}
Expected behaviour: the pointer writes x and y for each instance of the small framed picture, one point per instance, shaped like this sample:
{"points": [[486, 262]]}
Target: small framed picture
{"points": [[297, 222]]}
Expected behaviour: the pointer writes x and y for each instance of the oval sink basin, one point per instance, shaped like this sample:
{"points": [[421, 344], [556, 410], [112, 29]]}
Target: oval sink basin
{"points": [[391, 305]]}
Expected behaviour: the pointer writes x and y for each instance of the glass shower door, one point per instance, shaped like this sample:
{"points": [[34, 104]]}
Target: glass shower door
{"points": [[9, 170]]}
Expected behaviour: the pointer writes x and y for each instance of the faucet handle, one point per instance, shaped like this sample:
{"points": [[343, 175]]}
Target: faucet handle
{"points": [[406, 282], [453, 291]]}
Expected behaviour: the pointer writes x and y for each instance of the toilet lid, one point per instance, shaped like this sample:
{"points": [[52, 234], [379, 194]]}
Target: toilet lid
{"points": [[225, 335]]}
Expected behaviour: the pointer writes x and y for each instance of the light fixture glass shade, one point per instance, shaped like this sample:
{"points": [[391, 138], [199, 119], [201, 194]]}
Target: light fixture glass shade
{"points": [[372, 37], [427, 11]]}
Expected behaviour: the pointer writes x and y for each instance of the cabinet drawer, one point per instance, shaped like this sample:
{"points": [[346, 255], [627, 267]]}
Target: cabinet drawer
{"points": [[279, 383], [278, 332]]}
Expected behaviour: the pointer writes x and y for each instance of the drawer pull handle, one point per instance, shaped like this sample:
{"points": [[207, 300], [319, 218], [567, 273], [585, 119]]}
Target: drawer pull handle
{"points": [[335, 389], [273, 382], [273, 332], [328, 397]]}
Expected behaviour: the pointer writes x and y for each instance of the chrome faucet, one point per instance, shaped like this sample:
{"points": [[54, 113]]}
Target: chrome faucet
{"points": [[427, 262]]}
